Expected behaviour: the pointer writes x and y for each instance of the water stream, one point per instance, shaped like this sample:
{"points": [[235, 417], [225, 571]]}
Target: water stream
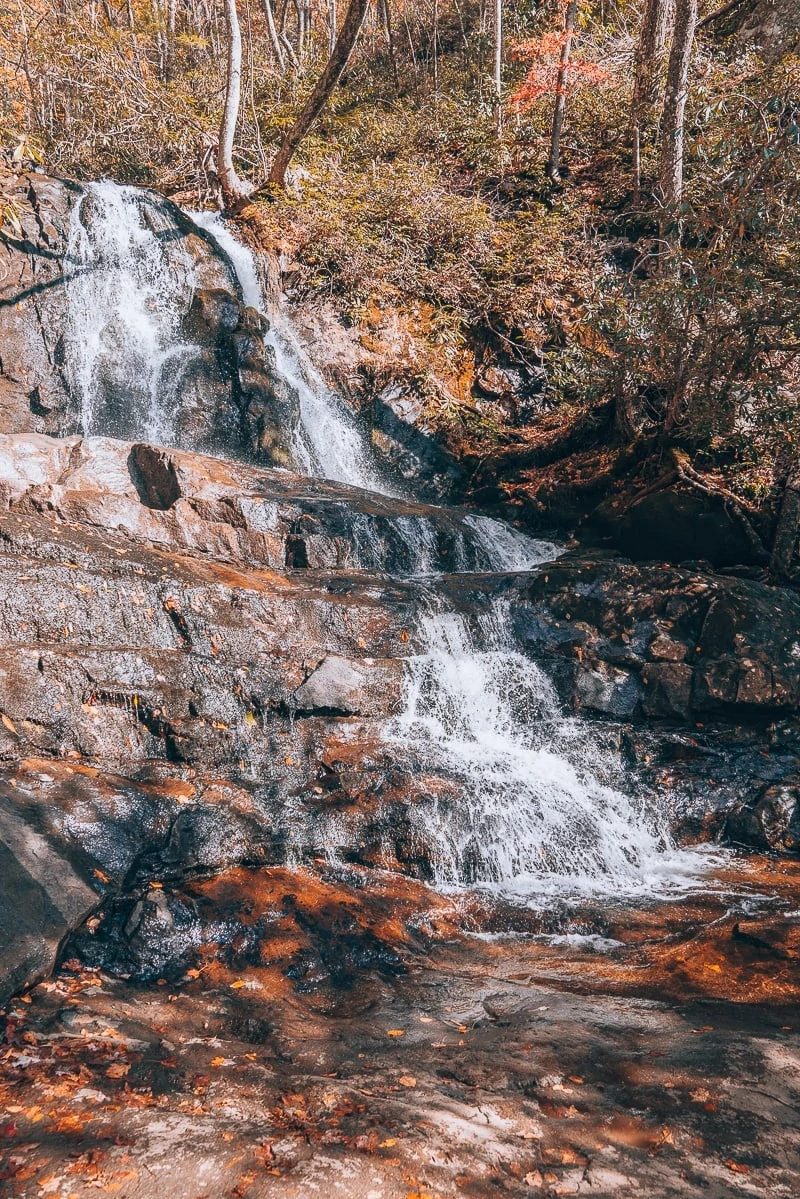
{"points": [[541, 800]]}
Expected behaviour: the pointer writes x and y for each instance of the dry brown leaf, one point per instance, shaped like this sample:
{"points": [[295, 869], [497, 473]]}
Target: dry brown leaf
{"points": [[117, 1070]]}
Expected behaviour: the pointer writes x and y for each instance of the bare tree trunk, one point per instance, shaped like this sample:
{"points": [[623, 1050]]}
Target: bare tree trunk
{"points": [[435, 51], [134, 38], [498, 66], [670, 174], [551, 170], [647, 65], [274, 40], [232, 187], [327, 81], [333, 24], [387, 24]]}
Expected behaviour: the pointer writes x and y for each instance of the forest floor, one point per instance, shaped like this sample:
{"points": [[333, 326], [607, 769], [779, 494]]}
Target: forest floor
{"points": [[627, 1051]]}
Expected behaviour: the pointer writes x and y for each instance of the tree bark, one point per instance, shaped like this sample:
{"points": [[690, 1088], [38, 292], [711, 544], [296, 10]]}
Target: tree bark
{"points": [[670, 174], [387, 24], [647, 64], [551, 170], [333, 24], [272, 30], [232, 187], [327, 81], [498, 66]]}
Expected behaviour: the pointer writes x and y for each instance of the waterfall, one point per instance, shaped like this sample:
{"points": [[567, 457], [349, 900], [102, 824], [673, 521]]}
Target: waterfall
{"points": [[539, 804], [127, 289], [328, 442], [538, 801]]}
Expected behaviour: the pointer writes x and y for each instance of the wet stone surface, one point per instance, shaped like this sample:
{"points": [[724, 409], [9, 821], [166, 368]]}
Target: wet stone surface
{"points": [[340, 1030], [200, 664]]}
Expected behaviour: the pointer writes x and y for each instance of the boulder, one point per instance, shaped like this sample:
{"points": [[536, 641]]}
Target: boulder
{"points": [[42, 899], [343, 687], [696, 644], [770, 822]]}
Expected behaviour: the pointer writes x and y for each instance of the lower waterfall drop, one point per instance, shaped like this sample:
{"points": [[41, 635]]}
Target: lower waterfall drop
{"points": [[540, 805]]}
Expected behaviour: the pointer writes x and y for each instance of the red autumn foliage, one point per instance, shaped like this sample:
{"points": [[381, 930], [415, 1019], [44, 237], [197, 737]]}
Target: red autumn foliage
{"points": [[543, 54]]}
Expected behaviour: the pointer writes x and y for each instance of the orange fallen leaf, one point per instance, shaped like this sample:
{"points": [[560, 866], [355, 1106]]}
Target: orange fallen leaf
{"points": [[117, 1070], [218, 1061], [407, 1080], [8, 722], [238, 984], [395, 1032], [738, 1167]]}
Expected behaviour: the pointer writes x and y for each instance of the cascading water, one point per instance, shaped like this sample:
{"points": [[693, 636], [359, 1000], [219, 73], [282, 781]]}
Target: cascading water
{"points": [[328, 443], [539, 805], [126, 290], [539, 802]]}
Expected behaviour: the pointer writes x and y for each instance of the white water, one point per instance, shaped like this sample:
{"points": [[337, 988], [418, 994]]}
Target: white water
{"points": [[328, 442], [125, 297], [540, 805]]}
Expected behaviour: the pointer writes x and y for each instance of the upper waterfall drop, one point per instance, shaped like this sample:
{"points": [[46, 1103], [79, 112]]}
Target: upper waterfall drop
{"points": [[124, 352], [328, 442]]}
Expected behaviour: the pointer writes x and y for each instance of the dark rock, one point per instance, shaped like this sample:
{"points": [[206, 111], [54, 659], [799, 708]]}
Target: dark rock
{"points": [[412, 451], [786, 549], [42, 899], [153, 474], [607, 690], [772, 821], [676, 525], [214, 313], [700, 643], [668, 690]]}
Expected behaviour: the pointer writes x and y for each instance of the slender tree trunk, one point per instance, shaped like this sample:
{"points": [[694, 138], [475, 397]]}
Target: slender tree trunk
{"points": [[648, 61], [333, 24], [274, 40], [232, 187], [551, 170], [387, 24], [134, 38], [435, 51], [498, 66], [327, 81], [670, 174]]}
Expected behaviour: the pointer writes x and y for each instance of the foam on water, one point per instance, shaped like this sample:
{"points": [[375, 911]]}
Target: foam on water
{"points": [[541, 805], [125, 293]]}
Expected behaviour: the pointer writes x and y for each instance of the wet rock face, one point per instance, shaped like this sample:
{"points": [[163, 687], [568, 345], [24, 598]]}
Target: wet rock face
{"points": [[199, 662], [218, 382], [641, 642]]}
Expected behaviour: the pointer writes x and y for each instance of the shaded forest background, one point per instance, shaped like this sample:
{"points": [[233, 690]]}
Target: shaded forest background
{"points": [[575, 337]]}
